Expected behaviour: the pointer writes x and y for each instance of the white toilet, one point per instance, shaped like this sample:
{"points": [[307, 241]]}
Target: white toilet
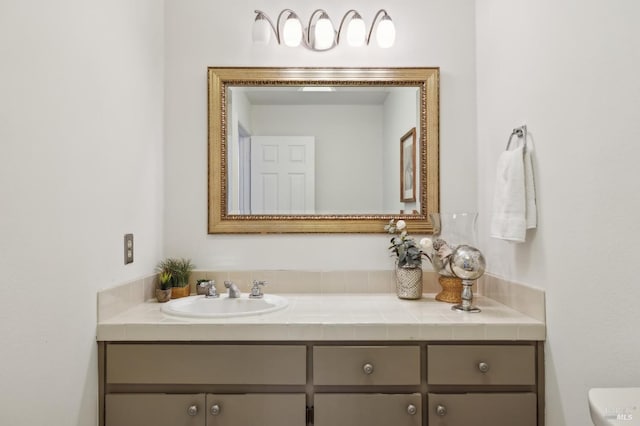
{"points": [[615, 406]]}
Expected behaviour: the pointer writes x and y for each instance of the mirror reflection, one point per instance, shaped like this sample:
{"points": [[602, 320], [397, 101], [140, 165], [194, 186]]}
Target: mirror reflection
{"points": [[322, 150]]}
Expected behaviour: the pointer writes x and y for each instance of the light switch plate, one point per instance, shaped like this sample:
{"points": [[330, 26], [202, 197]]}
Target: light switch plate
{"points": [[128, 248]]}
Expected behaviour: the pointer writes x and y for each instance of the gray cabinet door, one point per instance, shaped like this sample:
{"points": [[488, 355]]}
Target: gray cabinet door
{"points": [[256, 409], [490, 409], [154, 410], [367, 409]]}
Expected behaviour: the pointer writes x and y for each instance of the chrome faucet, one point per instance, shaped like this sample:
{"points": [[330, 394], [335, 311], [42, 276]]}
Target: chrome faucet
{"points": [[256, 291], [212, 292], [234, 291]]}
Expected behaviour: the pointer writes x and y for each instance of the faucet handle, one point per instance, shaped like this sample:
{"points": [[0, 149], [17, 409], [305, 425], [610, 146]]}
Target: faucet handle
{"points": [[212, 292], [256, 291]]}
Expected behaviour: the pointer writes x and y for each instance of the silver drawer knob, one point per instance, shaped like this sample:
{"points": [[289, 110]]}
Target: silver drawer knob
{"points": [[411, 409], [441, 410], [367, 368], [483, 367], [192, 410], [215, 409]]}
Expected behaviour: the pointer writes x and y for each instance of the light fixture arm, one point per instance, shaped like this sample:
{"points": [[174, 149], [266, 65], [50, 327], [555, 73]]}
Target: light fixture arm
{"points": [[291, 13], [356, 15], [373, 23], [262, 15]]}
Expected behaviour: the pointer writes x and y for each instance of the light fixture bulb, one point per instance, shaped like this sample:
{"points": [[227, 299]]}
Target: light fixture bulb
{"points": [[292, 31], [356, 32], [386, 33], [324, 33], [261, 31]]}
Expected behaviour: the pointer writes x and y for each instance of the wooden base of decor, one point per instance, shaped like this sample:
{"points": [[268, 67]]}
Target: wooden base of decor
{"points": [[451, 289], [178, 292], [163, 295]]}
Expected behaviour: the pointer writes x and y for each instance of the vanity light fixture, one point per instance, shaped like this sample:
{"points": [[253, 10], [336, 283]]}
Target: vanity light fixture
{"points": [[320, 34]]}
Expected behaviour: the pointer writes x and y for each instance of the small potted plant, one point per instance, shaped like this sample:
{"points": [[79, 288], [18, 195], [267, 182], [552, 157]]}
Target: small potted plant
{"points": [[408, 262], [180, 270], [163, 293]]}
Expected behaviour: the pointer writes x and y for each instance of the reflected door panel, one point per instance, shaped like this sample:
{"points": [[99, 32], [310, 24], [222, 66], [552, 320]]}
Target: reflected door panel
{"points": [[282, 175]]}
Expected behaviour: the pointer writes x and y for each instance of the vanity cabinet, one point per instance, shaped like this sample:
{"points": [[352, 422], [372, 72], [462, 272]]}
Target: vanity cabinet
{"points": [[321, 383], [491, 384], [362, 369], [495, 409], [353, 409], [201, 410], [151, 409]]}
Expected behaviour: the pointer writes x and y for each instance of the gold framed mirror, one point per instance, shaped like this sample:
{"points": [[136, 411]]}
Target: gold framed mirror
{"points": [[330, 176]]}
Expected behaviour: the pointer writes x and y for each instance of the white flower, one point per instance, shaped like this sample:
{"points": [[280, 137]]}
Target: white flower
{"points": [[401, 224], [426, 244]]}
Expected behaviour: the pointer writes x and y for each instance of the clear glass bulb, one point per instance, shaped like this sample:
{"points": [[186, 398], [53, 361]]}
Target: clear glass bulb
{"points": [[261, 31], [386, 32], [292, 31], [324, 33], [356, 32]]}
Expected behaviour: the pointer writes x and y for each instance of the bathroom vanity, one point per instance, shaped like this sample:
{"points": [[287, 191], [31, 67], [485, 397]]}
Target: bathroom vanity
{"points": [[342, 359]]}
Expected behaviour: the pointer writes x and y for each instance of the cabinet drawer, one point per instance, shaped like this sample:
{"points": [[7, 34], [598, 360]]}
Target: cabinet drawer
{"points": [[366, 365], [367, 409], [154, 409], [256, 409], [206, 364], [481, 365], [489, 409]]}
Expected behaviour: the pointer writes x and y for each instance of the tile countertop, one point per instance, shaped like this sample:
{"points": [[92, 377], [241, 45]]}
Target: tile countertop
{"points": [[341, 317]]}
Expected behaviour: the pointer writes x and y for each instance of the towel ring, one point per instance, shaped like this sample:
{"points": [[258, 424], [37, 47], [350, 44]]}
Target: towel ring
{"points": [[520, 132]]}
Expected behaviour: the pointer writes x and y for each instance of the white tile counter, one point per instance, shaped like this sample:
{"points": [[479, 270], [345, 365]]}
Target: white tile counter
{"points": [[335, 317]]}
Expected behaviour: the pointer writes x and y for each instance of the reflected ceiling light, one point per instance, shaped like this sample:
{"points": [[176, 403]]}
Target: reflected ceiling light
{"points": [[317, 89], [320, 35]]}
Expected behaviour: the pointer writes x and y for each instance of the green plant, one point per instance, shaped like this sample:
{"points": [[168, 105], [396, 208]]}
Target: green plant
{"points": [[178, 269], [165, 280]]}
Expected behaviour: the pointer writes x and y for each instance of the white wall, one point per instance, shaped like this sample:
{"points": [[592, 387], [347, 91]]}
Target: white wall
{"points": [[569, 70], [346, 136], [201, 33], [81, 165]]}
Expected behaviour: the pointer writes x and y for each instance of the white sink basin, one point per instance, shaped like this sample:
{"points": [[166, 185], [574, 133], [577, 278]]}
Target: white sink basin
{"points": [[203, 307], [615, 406]]}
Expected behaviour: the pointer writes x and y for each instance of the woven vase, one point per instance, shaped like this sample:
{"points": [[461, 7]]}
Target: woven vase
{"points": [[409, 282], [178, 292], [451, 289]]}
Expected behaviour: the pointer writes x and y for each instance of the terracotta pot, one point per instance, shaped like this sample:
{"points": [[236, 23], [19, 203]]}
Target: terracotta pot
{"points": [[451, 289], [163, 295], [178, 292]]}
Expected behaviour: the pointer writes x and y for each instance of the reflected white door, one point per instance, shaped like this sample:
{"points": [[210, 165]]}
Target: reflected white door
{"points": [[282, 175]]}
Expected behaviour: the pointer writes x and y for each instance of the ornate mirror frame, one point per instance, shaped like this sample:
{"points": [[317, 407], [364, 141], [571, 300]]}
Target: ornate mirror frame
{"points": [[219, 79]]}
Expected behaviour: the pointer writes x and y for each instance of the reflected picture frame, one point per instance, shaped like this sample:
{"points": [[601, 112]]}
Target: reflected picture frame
{"points": [[408, 167]]}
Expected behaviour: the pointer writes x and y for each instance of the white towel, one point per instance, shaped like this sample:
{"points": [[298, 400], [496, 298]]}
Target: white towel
{"points": [[514, 204]]}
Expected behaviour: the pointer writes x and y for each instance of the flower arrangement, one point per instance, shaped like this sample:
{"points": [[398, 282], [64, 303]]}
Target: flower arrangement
{"points": [[402, 245], [410, 253]]}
